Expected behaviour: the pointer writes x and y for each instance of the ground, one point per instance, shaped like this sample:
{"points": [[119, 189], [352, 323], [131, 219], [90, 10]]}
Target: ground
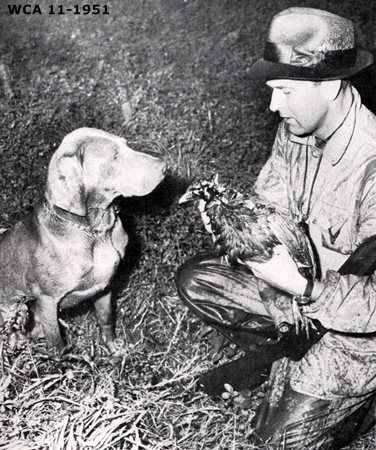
{"points": [[171, 76]]}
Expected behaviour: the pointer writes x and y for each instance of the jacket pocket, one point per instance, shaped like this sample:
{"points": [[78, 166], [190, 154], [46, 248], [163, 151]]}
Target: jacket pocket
{"points": [[335, 226]]}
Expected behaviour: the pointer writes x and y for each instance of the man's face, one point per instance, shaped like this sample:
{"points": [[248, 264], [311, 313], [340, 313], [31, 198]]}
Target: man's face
{"points": [[302, 104]]}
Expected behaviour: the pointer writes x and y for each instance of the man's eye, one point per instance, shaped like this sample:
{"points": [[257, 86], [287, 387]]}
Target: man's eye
{"points": [[286, 91]]}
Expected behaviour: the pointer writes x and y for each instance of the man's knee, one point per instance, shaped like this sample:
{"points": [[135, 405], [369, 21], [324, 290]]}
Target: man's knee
{"points": [[301, 421], [183, 277], [193, 280], [187, 276], [203, 286]]}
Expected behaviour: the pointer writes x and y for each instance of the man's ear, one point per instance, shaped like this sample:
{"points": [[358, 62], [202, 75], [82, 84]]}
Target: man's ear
{"points": [[331, 88]]}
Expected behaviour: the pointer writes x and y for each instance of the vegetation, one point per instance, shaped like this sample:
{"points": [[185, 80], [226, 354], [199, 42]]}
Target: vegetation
{"points": [[170, 76]]}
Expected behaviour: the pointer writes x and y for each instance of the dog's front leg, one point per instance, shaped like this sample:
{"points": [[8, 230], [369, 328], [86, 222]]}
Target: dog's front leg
{"points": [[47, 308], [103, 308]]}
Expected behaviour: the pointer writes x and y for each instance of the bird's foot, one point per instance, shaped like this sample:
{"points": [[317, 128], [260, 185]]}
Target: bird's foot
{"points": [[302, 323]]}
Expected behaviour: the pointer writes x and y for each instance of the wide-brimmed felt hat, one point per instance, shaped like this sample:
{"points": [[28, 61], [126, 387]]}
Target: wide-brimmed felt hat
{"points": [[310, 44]]}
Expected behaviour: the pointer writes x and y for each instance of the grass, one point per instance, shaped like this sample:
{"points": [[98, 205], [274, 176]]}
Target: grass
{"points": [[170, 76]]}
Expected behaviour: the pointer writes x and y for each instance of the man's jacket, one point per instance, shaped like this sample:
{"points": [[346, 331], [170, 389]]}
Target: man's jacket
{"points": [[332, 187]]}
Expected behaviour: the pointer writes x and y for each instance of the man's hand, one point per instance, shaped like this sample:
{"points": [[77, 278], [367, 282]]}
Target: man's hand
{"points": [[281, 272]]}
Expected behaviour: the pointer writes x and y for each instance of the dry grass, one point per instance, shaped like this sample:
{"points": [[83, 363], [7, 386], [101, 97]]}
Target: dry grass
{"points": [[143, 400], [170, 76]]}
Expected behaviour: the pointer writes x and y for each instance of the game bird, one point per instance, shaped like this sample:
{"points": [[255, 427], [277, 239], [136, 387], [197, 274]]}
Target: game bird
{"points": [[246, 229]]}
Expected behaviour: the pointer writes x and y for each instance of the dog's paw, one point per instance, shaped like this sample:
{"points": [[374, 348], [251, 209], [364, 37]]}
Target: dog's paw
{"points": [[57, 354]]}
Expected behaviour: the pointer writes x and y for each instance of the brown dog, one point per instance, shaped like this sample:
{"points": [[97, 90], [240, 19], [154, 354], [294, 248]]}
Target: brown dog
{"points": [[68, 249]]}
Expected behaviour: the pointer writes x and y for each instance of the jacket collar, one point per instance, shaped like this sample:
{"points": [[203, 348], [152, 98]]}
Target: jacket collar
{"points": [[338, 143]]}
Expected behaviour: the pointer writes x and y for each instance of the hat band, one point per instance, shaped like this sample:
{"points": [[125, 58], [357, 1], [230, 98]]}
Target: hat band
{"points": [[299, 56]]}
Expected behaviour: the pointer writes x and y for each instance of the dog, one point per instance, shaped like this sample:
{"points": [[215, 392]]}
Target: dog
{"points": [[68, 248]]}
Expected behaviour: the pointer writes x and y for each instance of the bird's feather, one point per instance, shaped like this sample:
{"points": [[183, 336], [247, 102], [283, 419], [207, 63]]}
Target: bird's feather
{"points": [[297, 242]]}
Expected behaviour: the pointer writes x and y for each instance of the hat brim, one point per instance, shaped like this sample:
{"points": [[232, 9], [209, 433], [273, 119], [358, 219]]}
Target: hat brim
{"points": [[268, 70]]}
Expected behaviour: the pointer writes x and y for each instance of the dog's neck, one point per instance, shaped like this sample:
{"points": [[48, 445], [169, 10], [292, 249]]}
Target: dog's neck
{"points": [[102, 219], [97, 220]]}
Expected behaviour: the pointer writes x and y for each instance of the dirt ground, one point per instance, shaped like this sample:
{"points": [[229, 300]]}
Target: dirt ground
{"points": [[171, 76]]}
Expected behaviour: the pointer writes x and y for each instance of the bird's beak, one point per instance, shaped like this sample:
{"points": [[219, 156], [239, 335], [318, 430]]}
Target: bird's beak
{"points": [[185, 197]]}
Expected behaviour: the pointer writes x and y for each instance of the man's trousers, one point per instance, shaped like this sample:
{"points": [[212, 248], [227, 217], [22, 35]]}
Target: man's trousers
{"points": [[228, 299]]}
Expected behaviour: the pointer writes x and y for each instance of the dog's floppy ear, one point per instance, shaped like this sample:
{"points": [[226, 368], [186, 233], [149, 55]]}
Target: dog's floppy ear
{"points": [[65, 187]]}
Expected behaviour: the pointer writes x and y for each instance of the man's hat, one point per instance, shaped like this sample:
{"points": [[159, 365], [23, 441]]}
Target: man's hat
{"points": [[310, 44]]}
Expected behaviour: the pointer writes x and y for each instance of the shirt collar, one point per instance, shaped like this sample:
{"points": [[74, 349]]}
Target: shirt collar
{"points": [[339, 142]]}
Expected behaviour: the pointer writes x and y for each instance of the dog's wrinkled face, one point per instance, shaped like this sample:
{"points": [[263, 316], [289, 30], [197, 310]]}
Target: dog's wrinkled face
{"points": [[115, 169], [96, 164]]}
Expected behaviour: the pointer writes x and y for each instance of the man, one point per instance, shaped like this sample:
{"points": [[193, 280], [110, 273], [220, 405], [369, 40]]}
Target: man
{"points": [[322, 172]]}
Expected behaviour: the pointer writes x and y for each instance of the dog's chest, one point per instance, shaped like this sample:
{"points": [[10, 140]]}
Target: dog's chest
{"points": [[119, 238], [94, 275], [92, 262], [84, 266], [105, 260], [106, 253]]}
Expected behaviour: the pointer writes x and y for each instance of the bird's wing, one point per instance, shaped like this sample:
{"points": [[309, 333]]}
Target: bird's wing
{"points": [[242, 234], [294, 238]]}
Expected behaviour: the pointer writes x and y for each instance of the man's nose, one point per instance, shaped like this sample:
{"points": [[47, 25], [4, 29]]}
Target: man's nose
{"points": [[276, 100]]}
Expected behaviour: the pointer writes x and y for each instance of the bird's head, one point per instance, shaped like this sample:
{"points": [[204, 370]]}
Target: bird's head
{"points": [[206, 190]]}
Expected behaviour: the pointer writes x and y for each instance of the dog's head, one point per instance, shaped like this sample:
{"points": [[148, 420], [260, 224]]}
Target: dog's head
{"points": [[93, 167]]}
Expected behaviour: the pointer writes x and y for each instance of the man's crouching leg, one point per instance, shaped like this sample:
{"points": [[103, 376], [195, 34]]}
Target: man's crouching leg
{"points": [[290, 420], [227, 298]]}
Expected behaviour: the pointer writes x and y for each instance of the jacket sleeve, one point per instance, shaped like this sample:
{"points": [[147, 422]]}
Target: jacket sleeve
{"points": [[348, 302], [271, 184]]}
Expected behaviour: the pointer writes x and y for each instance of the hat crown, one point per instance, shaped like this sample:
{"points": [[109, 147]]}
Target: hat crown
{"points": [[311, 29], [310, 44]]}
